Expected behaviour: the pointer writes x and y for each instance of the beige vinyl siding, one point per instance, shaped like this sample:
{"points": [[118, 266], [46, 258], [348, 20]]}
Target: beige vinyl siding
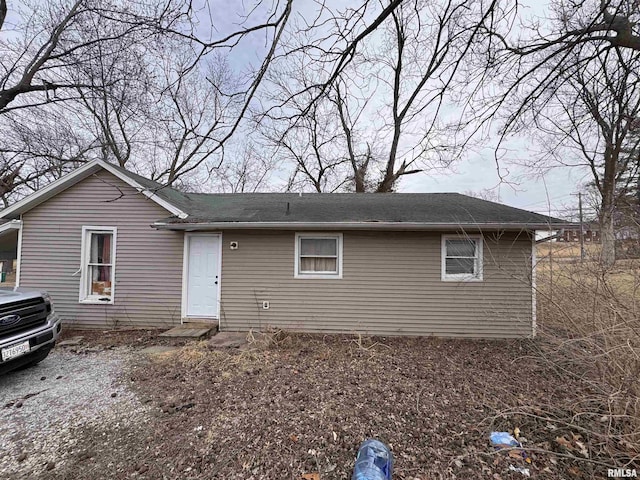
{"points": [[148, 270], [391, 285]]}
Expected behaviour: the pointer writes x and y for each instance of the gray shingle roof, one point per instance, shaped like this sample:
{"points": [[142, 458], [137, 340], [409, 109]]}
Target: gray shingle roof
{"points": [[418, 208], [427, 208]]}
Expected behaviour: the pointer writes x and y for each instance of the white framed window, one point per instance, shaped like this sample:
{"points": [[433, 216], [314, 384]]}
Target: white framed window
{"points": [[98, 254], [318, 255], [462, 258]]}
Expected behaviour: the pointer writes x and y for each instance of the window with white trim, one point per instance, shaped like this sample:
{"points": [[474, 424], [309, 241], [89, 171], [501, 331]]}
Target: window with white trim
{"points": [[318, 255], [98, 264], [462, 257]]}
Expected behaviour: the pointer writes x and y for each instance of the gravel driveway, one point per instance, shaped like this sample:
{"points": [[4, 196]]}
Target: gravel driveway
{"points": [[40, 407]]}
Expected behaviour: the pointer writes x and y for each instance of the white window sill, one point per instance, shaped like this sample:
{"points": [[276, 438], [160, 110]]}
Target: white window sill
{"points": [[462, 278], [321, 276], [96, 301]]}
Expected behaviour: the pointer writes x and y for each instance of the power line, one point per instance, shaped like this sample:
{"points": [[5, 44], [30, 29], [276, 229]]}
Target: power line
{"points": [[548, 201]]}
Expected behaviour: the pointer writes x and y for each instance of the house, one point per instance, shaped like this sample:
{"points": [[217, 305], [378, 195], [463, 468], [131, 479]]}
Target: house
{"points": [[116, 249], [591, 232]]}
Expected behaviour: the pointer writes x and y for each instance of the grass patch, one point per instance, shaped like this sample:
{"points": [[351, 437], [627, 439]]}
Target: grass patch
{"points": [[590, 331]]}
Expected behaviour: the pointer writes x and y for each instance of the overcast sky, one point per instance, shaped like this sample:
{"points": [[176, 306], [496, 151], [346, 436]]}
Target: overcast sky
{"points": [[548, 193], [551, 192]]}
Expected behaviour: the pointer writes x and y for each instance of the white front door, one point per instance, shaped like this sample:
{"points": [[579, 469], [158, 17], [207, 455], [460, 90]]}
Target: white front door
{"points": [[203, 271]]}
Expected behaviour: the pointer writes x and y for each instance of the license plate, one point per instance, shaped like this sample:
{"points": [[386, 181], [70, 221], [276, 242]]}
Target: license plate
{"points": [[15, 350]]}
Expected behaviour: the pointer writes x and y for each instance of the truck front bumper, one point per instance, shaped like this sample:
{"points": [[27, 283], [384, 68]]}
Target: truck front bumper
{"points": [[40, 338]]}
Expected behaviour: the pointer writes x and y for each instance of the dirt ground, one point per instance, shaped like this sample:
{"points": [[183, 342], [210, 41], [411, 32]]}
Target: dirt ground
{"points": [[303, 404]]}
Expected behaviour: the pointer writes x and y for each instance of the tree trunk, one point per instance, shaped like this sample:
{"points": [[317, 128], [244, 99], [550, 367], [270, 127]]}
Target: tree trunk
{"points": [[608, 194], [359, 181], [607, 234]]}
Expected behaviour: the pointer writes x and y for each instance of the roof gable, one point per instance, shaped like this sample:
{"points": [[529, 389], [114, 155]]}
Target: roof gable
{"points": [[152, 190]]}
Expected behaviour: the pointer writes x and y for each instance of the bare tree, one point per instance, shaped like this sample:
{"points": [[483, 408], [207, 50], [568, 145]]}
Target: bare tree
{"points": [[360, 154], [388, 86], [70, 48], [375, 102], [247, 171], [129, 83], [55, 40], [488, 194], [591, 118], [421, 54], [530, 55], [310, 141], [192, 118], [116, 111], [566, 76], [40, 149]]}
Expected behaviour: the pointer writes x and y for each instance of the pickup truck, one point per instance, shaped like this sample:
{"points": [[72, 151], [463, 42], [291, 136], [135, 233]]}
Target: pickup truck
{"points": [[29, 327]]}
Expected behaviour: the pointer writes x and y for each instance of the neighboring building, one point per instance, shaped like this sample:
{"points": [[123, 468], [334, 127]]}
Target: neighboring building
{"points": [[628, 232], [591, 234], [114, 248]]}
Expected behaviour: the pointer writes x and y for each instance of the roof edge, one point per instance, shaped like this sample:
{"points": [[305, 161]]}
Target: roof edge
{"points": [[358, 226], [79, 174], [10, 225], [145, 191]]}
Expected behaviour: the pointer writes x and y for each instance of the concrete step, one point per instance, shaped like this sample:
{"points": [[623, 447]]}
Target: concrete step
{"points": [[190, 330]]}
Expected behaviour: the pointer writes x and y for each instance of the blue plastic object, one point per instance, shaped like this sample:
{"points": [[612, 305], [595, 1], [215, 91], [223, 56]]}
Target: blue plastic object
{"points": [[374, 461], [503, 438]]}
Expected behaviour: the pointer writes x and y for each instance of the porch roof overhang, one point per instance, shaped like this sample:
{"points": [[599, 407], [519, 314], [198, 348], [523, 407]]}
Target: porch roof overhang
{"points": [[10, 226]]}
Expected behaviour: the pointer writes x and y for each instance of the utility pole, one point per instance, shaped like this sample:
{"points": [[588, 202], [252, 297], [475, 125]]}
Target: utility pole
{"points": [[581, 227]]}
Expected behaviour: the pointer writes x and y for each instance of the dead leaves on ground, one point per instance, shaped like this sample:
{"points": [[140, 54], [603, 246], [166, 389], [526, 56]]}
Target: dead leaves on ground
{"points": [[301, 408]]}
